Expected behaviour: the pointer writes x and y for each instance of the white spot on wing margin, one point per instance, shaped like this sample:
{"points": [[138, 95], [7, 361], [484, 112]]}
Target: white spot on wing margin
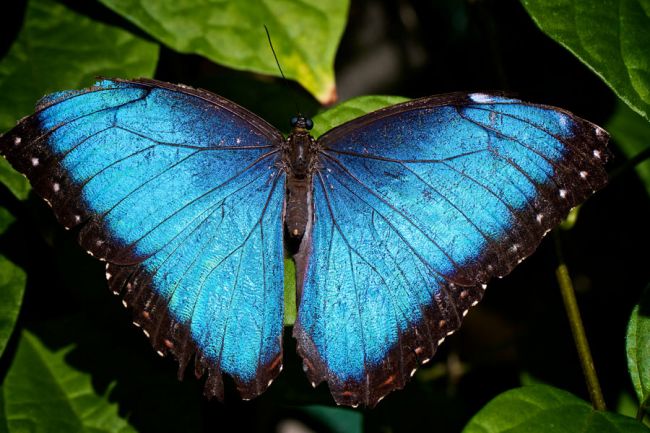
{"points": [[481, 98]]}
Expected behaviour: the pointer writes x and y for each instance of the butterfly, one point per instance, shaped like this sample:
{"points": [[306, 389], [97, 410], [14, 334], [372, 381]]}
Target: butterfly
{"points": [[396, 220]]}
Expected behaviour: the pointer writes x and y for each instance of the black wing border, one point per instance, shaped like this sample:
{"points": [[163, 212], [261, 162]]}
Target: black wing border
{"points": [[417, 345], [27, 142]]}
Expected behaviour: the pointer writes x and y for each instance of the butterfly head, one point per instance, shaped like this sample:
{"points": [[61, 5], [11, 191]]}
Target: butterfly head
{"points": [[299, 152], [301, 122]]}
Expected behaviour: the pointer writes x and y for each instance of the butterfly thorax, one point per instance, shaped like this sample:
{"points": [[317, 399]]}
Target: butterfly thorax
{"points": [[299, 151], [299, 160]]}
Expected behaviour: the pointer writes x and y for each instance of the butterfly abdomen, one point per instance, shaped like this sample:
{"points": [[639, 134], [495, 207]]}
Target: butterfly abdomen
{"points": [[299, 162], [297, 208]]}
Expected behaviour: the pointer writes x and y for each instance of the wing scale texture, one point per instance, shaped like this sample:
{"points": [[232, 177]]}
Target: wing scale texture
{"points": [[417, 207], [180, 192]]}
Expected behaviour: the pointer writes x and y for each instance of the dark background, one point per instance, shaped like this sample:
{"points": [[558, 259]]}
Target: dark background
{"points": [[519, 332]]}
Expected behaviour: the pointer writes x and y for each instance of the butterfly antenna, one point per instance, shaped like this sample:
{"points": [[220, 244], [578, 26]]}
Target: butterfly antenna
{"points": [[277, 62]]}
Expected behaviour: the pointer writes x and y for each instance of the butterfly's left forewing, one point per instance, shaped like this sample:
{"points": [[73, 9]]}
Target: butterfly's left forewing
{"points": [[416, 207], [180, 193]]}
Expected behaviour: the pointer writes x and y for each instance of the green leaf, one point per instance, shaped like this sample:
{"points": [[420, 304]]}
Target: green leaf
{"points": [[6, 219], [627, 405], [4, 428], [289, 292], [338, 420], [41, 392], [351, 109], [58, 49], [638, 349], [571, 219], [14, 181], [631, 133], [12, 287], [305, 34], [544, 409], [611, 37]]}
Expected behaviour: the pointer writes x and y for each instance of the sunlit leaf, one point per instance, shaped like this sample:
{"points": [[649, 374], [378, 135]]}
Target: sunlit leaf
{"points": [[305, 34], [41, 392], [351, 109], [611, 37], [544, 409]]}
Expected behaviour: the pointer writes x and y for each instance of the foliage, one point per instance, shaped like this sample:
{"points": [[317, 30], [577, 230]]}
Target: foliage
{"points": [[232, 33], [351, 109], [545, 409], [612, 38], [72, 362], [59, 49], [638, 349], [631, 132], [12, 286], [41, 392]]}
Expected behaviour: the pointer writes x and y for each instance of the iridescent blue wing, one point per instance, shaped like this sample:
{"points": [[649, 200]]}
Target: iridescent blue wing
{"points": [[417, 207], [179, 191]]}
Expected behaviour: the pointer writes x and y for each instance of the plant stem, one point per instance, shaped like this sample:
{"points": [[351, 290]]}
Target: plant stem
{"points": [[577, 328]]}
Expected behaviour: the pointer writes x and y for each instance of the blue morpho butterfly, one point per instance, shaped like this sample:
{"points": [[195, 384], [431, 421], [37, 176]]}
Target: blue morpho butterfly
{"points": [[396, 220]]}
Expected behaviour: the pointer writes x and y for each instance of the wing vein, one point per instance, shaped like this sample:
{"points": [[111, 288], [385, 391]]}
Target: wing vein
{"points": [[353, 276], [370, 265], [409, 161], [514, 140], [205, 194], [239, 247], [387, 203], [189, 146], [408, 244]]}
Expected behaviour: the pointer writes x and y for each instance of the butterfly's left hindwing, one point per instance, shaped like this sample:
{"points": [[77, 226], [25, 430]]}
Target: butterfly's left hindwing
{"points": [[417, 207], [180, 192]]}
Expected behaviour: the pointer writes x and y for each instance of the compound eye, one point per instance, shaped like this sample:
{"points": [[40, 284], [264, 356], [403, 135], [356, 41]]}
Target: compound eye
{"points": [[293, 121], [309, 124]]}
